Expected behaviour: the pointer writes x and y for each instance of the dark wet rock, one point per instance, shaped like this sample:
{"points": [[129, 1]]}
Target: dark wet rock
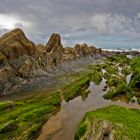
{"points": [[133, 53]]}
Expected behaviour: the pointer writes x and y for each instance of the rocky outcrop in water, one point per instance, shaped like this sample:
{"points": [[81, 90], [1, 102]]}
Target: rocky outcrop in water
{"points": [[23, 64]]}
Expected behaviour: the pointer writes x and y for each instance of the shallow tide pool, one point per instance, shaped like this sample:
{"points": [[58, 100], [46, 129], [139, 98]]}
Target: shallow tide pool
{"points": [[63, 124]]}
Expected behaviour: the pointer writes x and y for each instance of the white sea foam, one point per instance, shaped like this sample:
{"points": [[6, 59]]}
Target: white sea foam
{"points": [[121, 49]]}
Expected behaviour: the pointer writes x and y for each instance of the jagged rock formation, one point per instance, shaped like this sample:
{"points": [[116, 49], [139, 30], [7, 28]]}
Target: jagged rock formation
{"points": [[22, 62]]}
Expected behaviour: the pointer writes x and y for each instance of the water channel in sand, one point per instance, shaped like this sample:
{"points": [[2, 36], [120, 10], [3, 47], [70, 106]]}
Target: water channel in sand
{"points": [[62, 125]]}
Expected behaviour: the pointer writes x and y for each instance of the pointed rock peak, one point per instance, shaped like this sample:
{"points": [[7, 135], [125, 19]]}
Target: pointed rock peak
{"points": [[18, 30], [55, 37], [15, 32], [54, 42], [15, 43]]}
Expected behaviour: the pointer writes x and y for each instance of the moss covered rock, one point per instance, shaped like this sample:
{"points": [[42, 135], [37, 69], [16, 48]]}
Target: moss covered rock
{"points": [[77, 88], [111, 123]]}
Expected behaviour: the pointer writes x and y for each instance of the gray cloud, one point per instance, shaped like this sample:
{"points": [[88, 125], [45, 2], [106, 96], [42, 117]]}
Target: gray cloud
{"points": [[75, 20]]}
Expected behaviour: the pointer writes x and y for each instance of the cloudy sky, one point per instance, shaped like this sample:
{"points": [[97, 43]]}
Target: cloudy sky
{"points": [[103, 23]]}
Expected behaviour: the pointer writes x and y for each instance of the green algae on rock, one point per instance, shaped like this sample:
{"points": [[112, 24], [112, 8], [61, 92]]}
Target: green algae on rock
{"points": [[27, 116], [77, 88], [118, 87], [135, 78], [112, 123], [96, 73]]}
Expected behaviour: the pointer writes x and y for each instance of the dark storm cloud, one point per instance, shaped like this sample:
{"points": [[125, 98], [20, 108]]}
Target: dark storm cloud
{"points": [[74, 19]]}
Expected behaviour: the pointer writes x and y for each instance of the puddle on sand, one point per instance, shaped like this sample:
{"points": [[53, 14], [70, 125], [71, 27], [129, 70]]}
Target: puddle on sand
{"points": [[62, 126]]}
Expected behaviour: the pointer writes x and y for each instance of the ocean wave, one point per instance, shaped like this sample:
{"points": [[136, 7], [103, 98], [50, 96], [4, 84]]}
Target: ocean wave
{"points": [[121, 49]]}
